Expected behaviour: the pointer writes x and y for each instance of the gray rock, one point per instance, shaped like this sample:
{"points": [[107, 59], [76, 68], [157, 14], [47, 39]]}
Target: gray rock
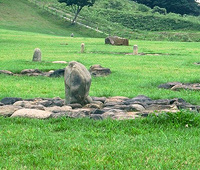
{"points": [[116, 99], [29, 105], [97, 105], [37, 55], [168, 85], [31, 71], [1, 104], [57, 73], [10, 100], [77, 84], [8, 110], [80, 113], [32, 113], [101, 99], [75, 105], [118, 115], [98, 71], [137, 107], [59, 111]]}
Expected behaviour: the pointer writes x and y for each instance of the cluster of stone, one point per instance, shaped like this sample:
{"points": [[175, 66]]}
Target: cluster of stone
{"points": [[119, 108], [178, 86], [95, 70]]}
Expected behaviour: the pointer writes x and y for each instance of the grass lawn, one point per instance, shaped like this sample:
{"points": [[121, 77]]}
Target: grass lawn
{"points": [[88, 144], [166, 142], [131, 75]]}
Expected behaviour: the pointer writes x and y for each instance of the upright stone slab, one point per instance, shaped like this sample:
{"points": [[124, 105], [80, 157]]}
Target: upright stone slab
{"points": [[82, 47], [37, 55], [77, 84]]}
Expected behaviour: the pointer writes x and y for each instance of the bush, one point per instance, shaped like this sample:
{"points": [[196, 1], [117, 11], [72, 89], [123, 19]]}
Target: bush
{"points": [[143, 8], [159, 10]]}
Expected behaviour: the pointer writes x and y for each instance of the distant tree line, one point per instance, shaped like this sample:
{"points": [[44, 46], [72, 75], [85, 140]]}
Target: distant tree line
{"points": [[176, 6]]}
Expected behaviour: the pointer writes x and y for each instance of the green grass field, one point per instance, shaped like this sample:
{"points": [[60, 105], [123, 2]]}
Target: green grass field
{"points": [[162, 142]]}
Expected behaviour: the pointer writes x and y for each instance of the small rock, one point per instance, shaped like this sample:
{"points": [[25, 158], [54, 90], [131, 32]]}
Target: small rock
{"points": [[31, 71], [29, 105], [98, 70], [8, 110], [75, 105], [94, 105], [32, 113], [101, 99], [116, 99], [6, 72], [10, 100], [57, 73], [137, 107]]}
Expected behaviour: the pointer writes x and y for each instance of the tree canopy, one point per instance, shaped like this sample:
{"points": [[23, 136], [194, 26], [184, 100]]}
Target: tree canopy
{"points": [[77, 5], [175, 6]]}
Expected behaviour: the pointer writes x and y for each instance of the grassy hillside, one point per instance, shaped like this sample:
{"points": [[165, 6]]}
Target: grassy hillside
{"points": [[135, 21], [22, 15]]}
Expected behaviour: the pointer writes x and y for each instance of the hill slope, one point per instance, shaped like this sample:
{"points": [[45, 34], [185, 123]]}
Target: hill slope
{"points": [[24, 16]]}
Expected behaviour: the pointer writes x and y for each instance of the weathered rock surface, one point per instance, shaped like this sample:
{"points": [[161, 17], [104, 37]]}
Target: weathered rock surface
{"points": [[98, 71], [117, 107], [37, 55], [10, 100], [115, 40], [77, 84], [8, 110], [32, 113], [57, 73], [6, 72], [179, 86]]}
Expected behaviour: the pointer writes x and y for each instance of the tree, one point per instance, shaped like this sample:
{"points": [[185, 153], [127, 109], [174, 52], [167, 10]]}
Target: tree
{"points": [[77, 5], [175, 6]]}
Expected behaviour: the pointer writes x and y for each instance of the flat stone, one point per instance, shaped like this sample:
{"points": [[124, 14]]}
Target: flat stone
{"points": [[101, 99], [75, 105], [10, 100], [80, 113], [57, 73], [98, 70], [94, 105], [137, 107], [29, 105], [32, 113], [116, 99], [8, 110], [59, 111], [30, 71], [6, 72]]}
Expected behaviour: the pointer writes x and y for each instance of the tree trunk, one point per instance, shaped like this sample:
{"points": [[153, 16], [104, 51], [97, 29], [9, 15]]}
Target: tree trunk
{"points": [[76, 14]]}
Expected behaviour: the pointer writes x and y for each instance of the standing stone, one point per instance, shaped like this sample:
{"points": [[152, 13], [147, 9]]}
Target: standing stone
{"points": [[37, 55], [82, 47], [77, 84], [135, 50]]}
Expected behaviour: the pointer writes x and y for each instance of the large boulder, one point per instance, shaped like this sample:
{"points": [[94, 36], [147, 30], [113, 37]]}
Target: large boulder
{"points": [[77, 84], [115, 40]]}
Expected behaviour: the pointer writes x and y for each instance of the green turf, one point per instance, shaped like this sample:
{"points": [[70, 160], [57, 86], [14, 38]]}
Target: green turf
{"points": [[131, 75], [88, 144], [162, 142]]}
